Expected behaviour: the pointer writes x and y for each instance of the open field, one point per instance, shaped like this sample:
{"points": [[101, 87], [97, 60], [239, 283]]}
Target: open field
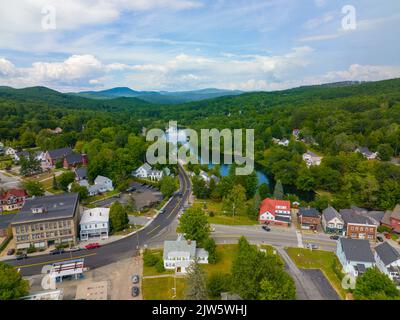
{"points": [[219, 217]]}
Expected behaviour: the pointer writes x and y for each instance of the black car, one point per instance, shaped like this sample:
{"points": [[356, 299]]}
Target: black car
{"points": [[162, 211], [22, 256], [135, 279], [266, 228], [57, 251], [380, 239], [135, 291], [334, 237], [10, 252]]}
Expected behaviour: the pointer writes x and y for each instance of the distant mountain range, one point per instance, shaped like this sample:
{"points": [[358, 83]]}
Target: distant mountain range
{"points": [[160, 97]]}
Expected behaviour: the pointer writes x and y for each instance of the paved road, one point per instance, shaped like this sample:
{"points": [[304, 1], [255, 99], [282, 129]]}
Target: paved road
{"points": [[8, 181], [278, 236], [121, 249]]}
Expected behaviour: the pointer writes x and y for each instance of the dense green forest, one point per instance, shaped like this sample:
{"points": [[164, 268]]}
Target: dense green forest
{"points": [[333, 122]]}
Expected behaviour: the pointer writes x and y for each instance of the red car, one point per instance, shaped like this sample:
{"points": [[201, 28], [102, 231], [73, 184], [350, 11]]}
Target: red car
{"points": [[91, 246]]}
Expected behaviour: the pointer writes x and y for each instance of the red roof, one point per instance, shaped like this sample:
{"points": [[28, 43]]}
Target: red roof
{"points": [[272, 205], [19, 193]]}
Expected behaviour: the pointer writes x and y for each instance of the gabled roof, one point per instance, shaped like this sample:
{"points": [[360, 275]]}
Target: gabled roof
{"points": [[19, 193], [309, 212], [396, 212], [81, 173], [350, 216], [387, 253], [146, 167], [181, 245], [59, 153], [73, 158], [101, 180], [312, 154], [271, 205], [331, 213], [357, 250], [365, 151]]}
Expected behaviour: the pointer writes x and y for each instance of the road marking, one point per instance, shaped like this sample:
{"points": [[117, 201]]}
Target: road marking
{"points": [[330, 244], [54, 261], [179, 202], [153, 230]]}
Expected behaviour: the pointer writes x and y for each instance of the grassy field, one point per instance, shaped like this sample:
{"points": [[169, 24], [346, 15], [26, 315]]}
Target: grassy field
{"points": [[219, 217], [161, 288], [318, 259]]}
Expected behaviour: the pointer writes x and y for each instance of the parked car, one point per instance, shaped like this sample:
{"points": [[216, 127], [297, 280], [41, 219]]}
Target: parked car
{"points": [[266, 228], [91, 246], [162, 211], [311, 246], [135, 279], [130, 189], [380, 239], [57, 251], [22, 256], [135, 291], [74, 249], [335, 237], [10, 252]]}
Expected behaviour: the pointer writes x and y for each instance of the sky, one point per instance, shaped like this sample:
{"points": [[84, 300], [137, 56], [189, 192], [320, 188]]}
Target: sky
{"points": [[179, 45]]}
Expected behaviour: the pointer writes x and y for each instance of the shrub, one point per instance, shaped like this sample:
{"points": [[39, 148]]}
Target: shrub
{"points": [[31, 249], [218, 283], [383, 229], [150, 259], [160, 266], [211, 214]]}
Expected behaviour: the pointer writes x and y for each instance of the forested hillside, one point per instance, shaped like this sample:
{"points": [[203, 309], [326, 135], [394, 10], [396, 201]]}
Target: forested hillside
{"points": [[333, 121]]}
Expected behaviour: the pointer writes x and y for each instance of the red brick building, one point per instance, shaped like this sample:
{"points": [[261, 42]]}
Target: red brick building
{"points": [[391, 219]]}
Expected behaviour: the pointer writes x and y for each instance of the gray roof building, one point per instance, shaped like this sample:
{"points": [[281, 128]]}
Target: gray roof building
{"points": [[357, 250], [309, 212], [59, 154], [6, 219], [81, 173], [351, 216], [48, 208], [331, 213], [73, 158], [387, 253]]}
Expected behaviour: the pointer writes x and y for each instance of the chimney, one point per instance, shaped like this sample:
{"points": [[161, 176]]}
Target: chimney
{"points": [[189, 242]]}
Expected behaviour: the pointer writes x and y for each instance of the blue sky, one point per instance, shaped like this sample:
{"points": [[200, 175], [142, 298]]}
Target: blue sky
{"points": [[180, 45]]}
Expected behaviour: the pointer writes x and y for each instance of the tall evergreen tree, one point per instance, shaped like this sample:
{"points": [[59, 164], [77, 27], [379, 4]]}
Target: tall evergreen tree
{"points": [[196, 283], [278, 191]]}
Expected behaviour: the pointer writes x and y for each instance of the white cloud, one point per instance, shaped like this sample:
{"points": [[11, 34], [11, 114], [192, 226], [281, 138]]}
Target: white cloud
{"points": [[364, 73], [26, 15], [6, 68], [317, 22]]}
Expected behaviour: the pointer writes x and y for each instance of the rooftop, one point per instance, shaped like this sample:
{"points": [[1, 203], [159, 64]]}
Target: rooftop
{"points": [[387, 253], [51, 207], [350, 216], [309, 212], [357, 250], [95, 215], [331, 213], [181, 245]]}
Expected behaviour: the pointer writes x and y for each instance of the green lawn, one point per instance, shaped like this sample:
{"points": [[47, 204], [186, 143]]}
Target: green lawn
{"points": [[226, 254], [318, 259], [161, 288], [220, 218]]}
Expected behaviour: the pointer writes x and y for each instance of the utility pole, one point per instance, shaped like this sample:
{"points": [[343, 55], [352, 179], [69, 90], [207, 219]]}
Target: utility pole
{"points": [[233, 207]]}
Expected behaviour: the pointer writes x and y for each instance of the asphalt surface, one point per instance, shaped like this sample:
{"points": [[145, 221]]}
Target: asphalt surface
{"points": [[121, 249]]}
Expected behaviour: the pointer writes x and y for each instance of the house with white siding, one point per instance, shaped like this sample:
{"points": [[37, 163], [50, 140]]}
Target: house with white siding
{"points": [[355, 256], [180, 254], [332, 221], [388, 261], [94, 224]]}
